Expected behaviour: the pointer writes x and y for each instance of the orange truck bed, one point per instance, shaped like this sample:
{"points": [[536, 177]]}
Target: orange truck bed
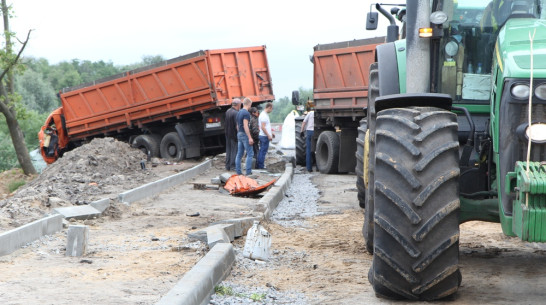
{"points": [[174, 109], [340, 82], [190, 83]]}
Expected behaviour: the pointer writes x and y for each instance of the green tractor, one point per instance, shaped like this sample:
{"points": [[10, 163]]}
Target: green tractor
{"points": [[455, 131]]}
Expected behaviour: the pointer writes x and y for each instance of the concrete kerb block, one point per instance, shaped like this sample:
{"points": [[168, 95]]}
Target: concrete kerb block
{"points": [[229, 228], [101, 205], [215, 235], [14, 239], [276, 194], [77, 238], [78, 212], [154, 188], [197, 285], [225, 176]]}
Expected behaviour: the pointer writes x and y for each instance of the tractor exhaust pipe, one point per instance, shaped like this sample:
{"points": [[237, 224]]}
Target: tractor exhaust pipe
{"points": [[417, 49]]}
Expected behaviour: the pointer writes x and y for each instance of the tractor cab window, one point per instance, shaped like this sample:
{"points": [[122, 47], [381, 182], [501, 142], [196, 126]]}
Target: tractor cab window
{"points": [[468, 44]]}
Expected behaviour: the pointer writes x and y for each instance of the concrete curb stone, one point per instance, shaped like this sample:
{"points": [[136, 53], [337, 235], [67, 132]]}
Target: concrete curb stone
{"points": [[156, 187], [14, 239], [215, 235], [197, 285], [81, 212], [101, 205]]}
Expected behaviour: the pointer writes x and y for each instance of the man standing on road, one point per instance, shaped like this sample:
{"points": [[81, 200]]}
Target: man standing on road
{"points": [[265, 134], [255, 130], [244, 138], [230, 126], [308, 125]]}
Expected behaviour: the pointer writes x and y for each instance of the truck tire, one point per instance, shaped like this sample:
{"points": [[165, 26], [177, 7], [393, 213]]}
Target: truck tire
{"points": [[327, 152], [171, 147], [416, 224], [359, 169], [147, 144], [300, 143], [373, 93]]}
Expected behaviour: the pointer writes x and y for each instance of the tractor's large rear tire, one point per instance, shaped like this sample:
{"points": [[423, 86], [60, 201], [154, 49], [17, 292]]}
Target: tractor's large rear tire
{"points": [[359, 169], [147, 143], [171, 147], [300, 143], [327, 152], [369, 180], [416, 225]]}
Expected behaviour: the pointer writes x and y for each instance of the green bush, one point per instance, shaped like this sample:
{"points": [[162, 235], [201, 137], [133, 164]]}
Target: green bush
{"points": [[14, 185]]}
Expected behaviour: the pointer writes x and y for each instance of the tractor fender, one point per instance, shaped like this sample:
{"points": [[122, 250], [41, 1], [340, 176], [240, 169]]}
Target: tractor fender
{"points": [[388, 69], [439, 100]]}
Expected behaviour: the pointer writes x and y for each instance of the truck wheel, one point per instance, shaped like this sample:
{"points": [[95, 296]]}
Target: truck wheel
{"points": [[416, 203], [147, 143], [369, 181], [359, 169], [327, 153], [300, 143], [171, 147]]}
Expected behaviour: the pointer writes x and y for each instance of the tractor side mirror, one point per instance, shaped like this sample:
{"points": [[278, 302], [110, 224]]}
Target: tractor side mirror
{"points": [[295, 97], [371, 21]]}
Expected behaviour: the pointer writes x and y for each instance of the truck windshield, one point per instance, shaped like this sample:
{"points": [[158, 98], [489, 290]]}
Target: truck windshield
{"points": [[469, 40]]}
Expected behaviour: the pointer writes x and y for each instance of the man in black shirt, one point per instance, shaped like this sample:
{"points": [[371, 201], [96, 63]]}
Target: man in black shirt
{"points": [[230, 125]]}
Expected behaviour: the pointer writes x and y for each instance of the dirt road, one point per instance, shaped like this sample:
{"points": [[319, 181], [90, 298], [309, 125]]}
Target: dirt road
{"points": [[138, 252]]}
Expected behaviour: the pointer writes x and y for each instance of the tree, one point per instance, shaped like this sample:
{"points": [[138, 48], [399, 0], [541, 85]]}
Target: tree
{"points": [[10, 101], [37, 94], [283, 106]]}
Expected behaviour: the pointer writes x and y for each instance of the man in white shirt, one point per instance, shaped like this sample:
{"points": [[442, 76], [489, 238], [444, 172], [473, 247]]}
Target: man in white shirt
{"points": [[265, 135], [309, 125]]}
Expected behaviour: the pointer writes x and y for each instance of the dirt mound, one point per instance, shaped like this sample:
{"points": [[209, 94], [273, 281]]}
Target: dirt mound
{"points": [[90, 172]]}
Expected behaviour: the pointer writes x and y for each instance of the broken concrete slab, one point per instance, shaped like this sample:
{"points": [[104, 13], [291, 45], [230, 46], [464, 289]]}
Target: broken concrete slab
{"points": [[215, 180], [81, 212], [215, 235], [77, 238]]}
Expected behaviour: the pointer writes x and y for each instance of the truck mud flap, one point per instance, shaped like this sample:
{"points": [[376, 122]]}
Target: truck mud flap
{"points": [[189, 134]]}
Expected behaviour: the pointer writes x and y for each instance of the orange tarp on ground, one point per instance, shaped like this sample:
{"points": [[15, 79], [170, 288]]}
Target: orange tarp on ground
{"points": [[239, 185]]}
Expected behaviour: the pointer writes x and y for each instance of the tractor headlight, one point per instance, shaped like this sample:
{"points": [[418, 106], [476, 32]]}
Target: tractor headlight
{"points": [[540, 92], [520, 91], [536, 132]]}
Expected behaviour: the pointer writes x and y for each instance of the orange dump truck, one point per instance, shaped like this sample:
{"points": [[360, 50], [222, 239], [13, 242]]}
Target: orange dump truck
{"points": [[340, 96], [174, 109]]}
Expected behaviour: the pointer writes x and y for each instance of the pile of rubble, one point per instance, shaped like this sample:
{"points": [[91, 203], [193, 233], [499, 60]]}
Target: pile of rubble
{"points": [[90, 172]]}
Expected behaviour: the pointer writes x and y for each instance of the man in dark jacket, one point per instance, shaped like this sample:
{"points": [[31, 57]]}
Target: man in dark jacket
{"points": [[230, 125], [255, 129]]}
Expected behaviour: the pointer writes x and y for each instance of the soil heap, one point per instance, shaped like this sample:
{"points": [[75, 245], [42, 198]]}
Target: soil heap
{"points": [[90, 172]]}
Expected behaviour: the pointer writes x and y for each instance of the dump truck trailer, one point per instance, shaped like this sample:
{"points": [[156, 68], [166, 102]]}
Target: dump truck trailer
{"points": [[340, 95], [174, 109]]}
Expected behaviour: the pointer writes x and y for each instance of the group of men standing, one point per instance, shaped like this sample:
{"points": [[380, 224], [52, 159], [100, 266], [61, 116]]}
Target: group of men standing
{"points": [[239, 135]]}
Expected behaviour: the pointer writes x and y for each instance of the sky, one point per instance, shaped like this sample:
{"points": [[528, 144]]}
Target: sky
{"points": [[123, 31]]}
